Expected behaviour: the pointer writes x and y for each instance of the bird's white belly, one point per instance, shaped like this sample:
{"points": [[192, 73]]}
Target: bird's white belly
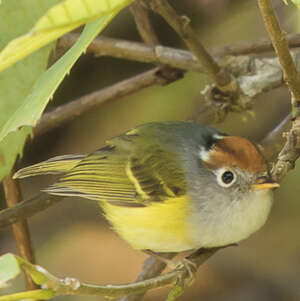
{"points": [[231, 223]]}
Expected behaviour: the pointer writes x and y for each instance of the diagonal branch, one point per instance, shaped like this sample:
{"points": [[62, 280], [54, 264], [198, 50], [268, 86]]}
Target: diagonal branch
{"points": [[223, 79], [143, 23], [67, 112], [291, 150], [291, 76]]}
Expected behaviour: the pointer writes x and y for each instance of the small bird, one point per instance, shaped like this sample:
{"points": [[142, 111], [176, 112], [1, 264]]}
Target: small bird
{"points": [[170, 186]]}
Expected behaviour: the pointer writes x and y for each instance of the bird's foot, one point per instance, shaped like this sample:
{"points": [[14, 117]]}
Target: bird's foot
{"points": [[190, 267], [184, 263]]}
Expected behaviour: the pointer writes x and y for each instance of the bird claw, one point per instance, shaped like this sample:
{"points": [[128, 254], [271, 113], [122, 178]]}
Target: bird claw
{"points": [[190, 267]]}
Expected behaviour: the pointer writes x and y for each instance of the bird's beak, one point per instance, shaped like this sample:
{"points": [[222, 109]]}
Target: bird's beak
{"points": [[264, 183]]}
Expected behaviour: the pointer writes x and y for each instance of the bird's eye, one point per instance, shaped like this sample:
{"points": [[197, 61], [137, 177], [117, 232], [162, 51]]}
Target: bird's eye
{"points": [[226, 178]]}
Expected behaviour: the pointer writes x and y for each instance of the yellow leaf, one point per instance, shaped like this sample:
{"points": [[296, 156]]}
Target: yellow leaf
{"points": [[57, 21]]}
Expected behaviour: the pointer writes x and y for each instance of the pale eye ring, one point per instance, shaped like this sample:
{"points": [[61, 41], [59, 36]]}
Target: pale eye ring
{"points": [[226, 177]]}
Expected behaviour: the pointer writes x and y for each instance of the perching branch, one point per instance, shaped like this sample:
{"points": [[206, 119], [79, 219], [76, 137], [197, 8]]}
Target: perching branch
{"points": [[20, 229], [69, 286]]}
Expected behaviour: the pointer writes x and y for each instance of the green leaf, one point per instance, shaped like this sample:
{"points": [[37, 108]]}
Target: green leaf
{"points": [[58, 20], [9, 268], [38, 274], [16, 18], [43, 294], [30, 111], [176, 291]]}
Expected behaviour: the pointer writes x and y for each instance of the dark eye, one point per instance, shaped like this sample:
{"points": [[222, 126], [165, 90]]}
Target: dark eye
{"points": [[227, 177]]}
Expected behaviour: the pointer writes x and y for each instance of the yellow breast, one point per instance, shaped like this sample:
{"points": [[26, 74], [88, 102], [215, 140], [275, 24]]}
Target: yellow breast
{"points": [[160, 227]]}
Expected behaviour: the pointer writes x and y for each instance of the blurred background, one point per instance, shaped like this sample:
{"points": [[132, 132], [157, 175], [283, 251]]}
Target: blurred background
{"points": [[73, 239]]}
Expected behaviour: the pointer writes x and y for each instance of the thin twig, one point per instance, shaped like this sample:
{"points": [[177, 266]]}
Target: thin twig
{"points": [[146, 31], [27, 209], [291, 150], [278, 37], [223, 80], [20, 229], [143, 23], [257, 46]]}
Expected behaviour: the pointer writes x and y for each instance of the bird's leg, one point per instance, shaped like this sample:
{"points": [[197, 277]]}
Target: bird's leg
{"points": [[159, 256], [186, 263]]}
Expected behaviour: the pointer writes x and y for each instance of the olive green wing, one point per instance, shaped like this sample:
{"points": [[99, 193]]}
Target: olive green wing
{"points": [[126, 172], [56, 165]]}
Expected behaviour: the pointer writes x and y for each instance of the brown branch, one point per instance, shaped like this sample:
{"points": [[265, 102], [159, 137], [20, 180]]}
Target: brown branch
{"points": [[27, 209], [289, 153], [143, 23], [291, 150], [20, 229], [135, 51], [258, 46], [178, 58], [223, 79], [142, 19], [67, 112], [281, 47]]}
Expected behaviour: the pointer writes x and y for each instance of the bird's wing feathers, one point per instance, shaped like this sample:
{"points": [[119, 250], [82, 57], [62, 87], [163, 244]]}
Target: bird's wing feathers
{"points": [[56, 165], [126, 172]]}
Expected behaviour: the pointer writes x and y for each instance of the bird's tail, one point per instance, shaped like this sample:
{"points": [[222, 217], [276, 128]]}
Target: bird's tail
{"points": [[56, 165]]}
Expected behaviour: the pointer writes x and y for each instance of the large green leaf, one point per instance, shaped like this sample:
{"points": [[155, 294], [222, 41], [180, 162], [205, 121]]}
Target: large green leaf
{"points": [[16, 18], [30, 111], [58, 20]]}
